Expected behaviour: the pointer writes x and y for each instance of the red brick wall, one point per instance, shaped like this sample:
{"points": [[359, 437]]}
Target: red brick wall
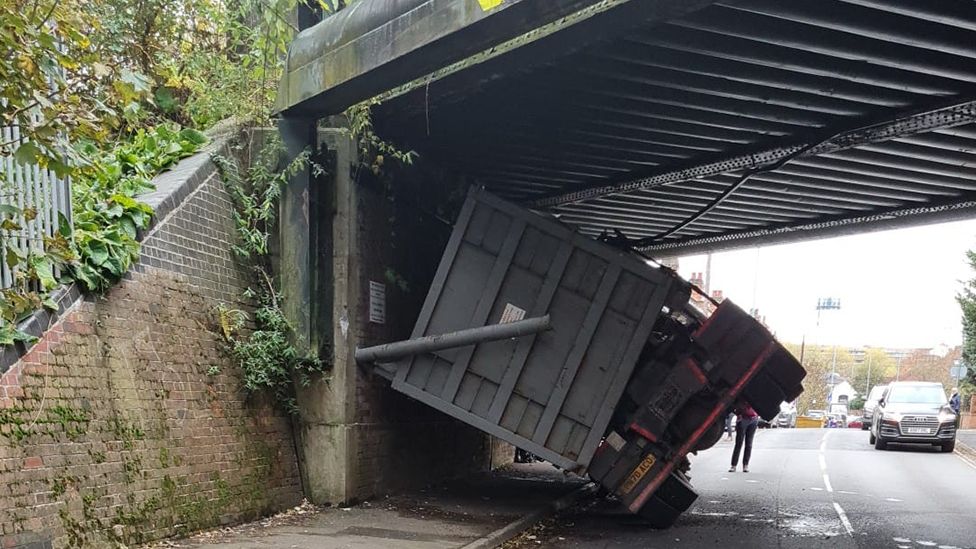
{"points": [[127, 423]]}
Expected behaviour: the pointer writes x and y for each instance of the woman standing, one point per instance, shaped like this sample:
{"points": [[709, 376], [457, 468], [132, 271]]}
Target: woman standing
{"points": [[745, 430]]}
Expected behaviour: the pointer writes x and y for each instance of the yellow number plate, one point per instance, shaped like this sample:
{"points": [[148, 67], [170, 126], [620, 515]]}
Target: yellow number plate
{"points": [[637, 474]]}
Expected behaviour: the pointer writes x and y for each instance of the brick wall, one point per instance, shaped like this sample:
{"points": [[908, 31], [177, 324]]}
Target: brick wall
{"points": [[126, 422]]}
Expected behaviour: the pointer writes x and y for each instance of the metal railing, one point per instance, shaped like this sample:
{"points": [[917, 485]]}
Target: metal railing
{"points": [[28, 187]]}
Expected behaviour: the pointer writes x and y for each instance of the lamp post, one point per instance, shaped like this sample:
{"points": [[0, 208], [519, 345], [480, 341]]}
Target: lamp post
{"points": [[829, 304]]}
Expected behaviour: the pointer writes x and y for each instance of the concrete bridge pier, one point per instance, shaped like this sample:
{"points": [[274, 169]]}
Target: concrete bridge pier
{"points": [[340, 255]]}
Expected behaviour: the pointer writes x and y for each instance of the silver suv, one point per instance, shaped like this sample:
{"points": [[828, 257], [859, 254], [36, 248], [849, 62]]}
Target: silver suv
{"points": [[914, 412], [870, 404]]}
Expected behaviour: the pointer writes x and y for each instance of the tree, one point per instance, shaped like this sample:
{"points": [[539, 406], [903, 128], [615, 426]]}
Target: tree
{"points": [[967, 303]]}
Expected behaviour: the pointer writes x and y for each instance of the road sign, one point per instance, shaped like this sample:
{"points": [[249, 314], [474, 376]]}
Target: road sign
{"points": [[958, 372]]}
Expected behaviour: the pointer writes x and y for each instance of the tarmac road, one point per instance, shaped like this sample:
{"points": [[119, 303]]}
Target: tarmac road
{"points": [[806, 488]]}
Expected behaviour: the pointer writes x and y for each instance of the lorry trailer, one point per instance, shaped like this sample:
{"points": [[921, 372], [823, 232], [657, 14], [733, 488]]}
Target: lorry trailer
{"points": [[583, 353]]}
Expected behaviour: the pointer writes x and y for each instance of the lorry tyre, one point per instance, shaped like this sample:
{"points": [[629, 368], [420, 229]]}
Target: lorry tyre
{"points": [[672, 498], [676, 492], [658, 514], [765, 395], [786, 372]]}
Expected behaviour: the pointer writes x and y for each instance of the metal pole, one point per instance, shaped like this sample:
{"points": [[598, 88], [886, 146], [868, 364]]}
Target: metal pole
{"points": [[867, 386], [462, 338], [833, 374]]}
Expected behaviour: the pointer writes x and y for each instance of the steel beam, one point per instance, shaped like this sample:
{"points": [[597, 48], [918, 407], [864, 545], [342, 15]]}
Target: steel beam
{"points": [[894, 218], [946, 117]]}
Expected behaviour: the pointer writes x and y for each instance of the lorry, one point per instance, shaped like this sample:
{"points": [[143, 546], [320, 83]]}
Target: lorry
{"points": [[584, 353]]}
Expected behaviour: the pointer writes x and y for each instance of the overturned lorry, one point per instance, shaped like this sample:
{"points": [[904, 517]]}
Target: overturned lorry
{"points": [[584, 354]]}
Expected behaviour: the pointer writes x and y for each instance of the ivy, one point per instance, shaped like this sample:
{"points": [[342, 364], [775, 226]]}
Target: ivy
{"points": [[264, 351]]}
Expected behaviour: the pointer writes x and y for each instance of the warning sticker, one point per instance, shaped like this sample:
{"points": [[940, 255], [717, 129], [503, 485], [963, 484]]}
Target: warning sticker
{"points": [[615, 440], [637, 474], [489, 4], [511, 314]]}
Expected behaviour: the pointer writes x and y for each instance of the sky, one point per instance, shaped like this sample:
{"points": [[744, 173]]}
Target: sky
{"points": [[897, 288]]}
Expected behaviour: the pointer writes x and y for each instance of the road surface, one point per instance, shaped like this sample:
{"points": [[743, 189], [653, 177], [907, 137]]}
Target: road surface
{"points": [[806, 488]]}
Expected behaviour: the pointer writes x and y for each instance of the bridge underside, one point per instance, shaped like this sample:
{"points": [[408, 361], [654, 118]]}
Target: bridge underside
{"points": [[684, 126]]}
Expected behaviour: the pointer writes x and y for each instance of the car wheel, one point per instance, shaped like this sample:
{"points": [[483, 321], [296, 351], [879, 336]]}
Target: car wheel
{"points": [[949, 446], [871, 439], [880, 444]]}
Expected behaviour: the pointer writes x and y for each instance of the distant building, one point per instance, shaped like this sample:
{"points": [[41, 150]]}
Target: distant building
{"points": [[842, 392]]}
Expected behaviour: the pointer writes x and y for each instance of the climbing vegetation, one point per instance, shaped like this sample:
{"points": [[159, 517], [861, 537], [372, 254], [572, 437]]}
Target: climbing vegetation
{"points": [[263, 343]]}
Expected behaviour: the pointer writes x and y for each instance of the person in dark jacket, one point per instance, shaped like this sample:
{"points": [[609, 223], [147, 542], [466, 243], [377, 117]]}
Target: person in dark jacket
{"points": [[745, 430], [955, 402]]}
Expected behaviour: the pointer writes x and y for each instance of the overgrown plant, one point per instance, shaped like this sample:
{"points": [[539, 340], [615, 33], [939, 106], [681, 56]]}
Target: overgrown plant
{"points": [[373, 150], [102, 244], [263, 349], [108, 217]]}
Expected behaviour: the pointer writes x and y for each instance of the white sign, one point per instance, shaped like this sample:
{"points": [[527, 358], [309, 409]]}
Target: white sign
{"points": [[377, 302], [511, 314]]}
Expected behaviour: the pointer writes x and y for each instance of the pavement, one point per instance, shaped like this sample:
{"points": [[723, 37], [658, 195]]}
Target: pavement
{"points": [[967, 437], [480, 511], [807, 488]]}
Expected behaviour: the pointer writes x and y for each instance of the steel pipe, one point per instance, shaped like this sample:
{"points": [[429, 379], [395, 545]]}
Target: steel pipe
{"points": [[462, 338]]}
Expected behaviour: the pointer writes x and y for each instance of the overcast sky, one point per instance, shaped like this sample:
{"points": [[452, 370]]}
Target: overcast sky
{"points": [[897, 288]]}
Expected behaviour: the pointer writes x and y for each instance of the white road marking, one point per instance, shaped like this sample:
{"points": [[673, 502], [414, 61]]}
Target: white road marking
{"points": [[901, 540], [948, 547], [846, 492], [844, 520], [895, 500], [815, 489], [826, 479], [926, 543]]}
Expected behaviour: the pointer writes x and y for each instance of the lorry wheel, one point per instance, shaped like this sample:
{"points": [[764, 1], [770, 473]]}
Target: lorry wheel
{"points": [[765, 395], [677, 492], [674, 497], [786, 371], [658, 514]]}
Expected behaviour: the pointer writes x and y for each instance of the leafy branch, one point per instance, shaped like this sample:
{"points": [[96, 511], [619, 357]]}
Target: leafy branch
{"points": [[268, 359]]}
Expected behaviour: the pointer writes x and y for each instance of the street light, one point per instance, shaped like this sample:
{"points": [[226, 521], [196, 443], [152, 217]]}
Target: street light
{"points": [[829, 304]]}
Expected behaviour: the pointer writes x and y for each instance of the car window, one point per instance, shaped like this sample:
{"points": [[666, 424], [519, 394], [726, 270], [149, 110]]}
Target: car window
{"points": [[920, 394], [876, 392]]}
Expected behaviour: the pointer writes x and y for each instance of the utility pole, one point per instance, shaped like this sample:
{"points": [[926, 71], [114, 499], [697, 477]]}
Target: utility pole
{"points": [[708, 274], [829, 304], [867, 385]]}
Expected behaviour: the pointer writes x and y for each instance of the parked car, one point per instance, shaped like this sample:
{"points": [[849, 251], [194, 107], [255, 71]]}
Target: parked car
{"points": [[914, 412], [870, 403], [855, 422], [786, 417]]}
